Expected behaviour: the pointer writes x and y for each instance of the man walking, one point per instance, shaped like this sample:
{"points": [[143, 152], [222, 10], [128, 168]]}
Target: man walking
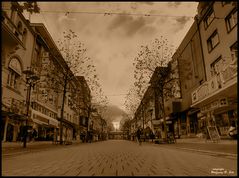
{"points": [[138, 134]]}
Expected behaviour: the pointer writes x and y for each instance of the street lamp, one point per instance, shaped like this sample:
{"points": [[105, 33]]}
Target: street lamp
{"points": [[31, 80]]}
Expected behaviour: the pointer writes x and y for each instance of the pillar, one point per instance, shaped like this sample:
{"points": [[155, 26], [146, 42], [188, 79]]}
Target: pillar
{"points": [[15, 133], [188, 124], [5, 129]]}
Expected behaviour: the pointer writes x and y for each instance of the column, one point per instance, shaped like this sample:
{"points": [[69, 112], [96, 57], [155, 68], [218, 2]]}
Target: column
{"points": [[15, 133], [5, 129], [188, 124]]}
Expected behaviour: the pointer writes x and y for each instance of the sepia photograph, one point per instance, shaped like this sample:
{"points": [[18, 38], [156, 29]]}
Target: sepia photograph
{"points": [[108, 88]]}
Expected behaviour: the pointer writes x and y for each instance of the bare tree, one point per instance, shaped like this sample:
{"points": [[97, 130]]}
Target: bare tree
{"points": [[75, 53], [61, 75], [157, 54]]}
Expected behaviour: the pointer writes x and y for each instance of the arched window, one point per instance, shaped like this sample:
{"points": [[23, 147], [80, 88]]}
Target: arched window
{"points": [[19, 27], [14, 74]]}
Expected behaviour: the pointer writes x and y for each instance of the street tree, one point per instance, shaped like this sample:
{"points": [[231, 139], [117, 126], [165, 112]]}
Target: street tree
{"points": [[62, 76], [157, 54], [75, 54]]}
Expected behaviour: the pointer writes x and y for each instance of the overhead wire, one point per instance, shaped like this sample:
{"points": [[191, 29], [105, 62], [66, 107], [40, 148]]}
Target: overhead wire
{"points": [[110, 13], [66, 12]]}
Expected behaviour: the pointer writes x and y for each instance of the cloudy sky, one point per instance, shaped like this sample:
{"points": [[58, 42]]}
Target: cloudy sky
{"points": [[113, 40]]}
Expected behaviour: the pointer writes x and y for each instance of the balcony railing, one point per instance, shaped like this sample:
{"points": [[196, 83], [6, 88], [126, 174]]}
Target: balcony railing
{"points": [[216, 83]]}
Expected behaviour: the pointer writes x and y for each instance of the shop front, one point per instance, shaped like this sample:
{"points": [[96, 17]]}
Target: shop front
{"points": [[10, 126], [220, 113], [45, 126]]}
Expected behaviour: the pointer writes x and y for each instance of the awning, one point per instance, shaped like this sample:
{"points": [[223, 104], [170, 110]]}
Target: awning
{"points": [[193, 111], [13, 115]]}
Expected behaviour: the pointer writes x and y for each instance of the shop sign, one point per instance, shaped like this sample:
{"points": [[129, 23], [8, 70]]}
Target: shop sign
{"points": [[214, 105], [42, 119]]}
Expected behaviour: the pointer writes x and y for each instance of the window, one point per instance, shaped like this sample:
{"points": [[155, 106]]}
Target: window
{"points": [[234, 52], [24, 37], [36, 60], [14, 74], [213, 41], [209, 18], [231, 20], [216, 66]]}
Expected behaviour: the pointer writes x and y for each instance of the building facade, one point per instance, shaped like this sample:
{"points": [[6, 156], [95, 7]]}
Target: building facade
{"points": [[17, 46], [34, 90], [206, 85], [217, 96], [191, 68], [84, 107]]}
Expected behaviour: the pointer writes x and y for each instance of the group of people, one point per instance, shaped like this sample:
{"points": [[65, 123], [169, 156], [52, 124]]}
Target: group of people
{"points": [[140, 133]]}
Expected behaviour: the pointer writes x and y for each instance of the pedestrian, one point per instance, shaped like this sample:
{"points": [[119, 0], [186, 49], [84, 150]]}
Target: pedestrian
{"points": [[152, 135], [138, 134], [34, 134]]}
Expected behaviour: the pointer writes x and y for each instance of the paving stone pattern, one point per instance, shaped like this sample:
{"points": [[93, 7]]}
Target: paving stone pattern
{"points": [[115, 158]]}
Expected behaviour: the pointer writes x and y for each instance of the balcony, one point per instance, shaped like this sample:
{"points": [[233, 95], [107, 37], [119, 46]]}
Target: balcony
{"points": [[10, 32], [225, 82]]}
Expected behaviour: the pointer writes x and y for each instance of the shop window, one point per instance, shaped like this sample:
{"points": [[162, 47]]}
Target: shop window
{"points": [[231, 20], [213, 41], [209, 18]]}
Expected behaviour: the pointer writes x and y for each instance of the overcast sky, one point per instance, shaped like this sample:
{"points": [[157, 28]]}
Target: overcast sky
{"points": [[113, 40]]}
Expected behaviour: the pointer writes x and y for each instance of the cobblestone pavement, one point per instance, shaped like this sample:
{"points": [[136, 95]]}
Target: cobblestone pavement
{"points": [[117, 158]]}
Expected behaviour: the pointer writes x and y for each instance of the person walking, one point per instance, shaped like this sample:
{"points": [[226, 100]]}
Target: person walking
{"points": [[138, 134], [34, 134]]}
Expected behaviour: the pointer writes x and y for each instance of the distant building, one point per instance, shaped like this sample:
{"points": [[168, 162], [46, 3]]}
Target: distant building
{"points": [[98, 127], [84, 106]]}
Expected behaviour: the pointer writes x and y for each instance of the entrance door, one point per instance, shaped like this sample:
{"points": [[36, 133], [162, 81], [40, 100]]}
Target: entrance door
{"points": [[193, 123]]}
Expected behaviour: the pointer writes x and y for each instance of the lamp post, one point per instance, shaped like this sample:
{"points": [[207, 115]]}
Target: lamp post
{"points": [[31, 79]]}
